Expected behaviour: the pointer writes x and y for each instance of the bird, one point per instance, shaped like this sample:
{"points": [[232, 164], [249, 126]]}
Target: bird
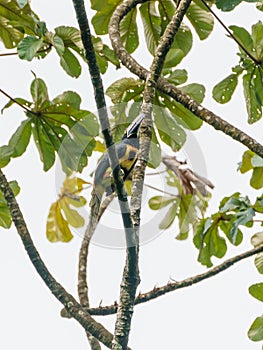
{"points": [[127, 151]]}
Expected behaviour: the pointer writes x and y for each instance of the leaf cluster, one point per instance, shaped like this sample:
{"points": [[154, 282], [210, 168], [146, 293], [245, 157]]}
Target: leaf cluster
{"points": [[250, 67], [211, 232], [58, 126]]}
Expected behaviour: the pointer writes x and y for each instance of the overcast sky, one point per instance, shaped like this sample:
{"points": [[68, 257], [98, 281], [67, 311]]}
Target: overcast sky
{"points": [[214, 314]]}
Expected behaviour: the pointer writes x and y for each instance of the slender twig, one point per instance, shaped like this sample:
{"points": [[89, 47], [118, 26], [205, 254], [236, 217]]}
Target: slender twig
{"points": [[71, 305], [162, 191], [16, 53], [18, 103], [230, 33], [156, 292], [169, 89]]}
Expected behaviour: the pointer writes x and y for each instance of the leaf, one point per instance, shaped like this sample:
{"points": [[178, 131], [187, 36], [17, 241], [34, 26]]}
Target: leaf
{"points": [[257, 37], [100, 20], [201, 19], [256, 180], [259, 262], [169, 217], [155, 152], [181, 45], [57, 229], [28, 47], [258, 206], [158, 202], [227, 5], [129, 31], [5, 155], [9, 35], [253, 102], [256, 290], [151, 25], [45, 147], [257, 239], [177, 77], [255, 332], [70, 63], [39, 93], [72, 216], [223, 91], [125, 89], [243, 37], [246, 164], [68, 97], [169, 131], [20, 139]]}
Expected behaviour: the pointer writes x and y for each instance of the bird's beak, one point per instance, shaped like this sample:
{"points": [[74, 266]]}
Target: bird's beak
{"points": [[134, 127]]}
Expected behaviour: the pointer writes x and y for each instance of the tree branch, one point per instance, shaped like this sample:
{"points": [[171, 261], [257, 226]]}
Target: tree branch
{"points": [[169, 89], [130, 278], [172, 286], [70, 304]]}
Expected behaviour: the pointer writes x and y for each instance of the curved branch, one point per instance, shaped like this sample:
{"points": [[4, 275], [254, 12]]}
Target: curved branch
{"points": [[172, 286], [70, 304], [163, 85]]}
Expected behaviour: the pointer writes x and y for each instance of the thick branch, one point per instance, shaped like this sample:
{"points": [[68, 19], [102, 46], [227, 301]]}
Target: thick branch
{"points": [[103, 116], [170, 287], [169, 89], [71, 305]]}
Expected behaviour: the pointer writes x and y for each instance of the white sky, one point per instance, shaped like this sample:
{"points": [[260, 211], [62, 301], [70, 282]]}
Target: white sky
{"points": [[214, 314]]}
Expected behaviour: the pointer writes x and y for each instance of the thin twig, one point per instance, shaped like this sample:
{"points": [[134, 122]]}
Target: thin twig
{"points": [[18, 103], [171, 287], [230, 33]]}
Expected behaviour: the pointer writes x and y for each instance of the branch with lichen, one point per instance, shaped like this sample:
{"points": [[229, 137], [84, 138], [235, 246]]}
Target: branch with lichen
{"points": [[130, 278], [71, 305], [163, 85], [172, 286]]}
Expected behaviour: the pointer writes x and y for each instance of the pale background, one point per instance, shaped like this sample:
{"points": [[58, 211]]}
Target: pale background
{"points": [[213, 314]]}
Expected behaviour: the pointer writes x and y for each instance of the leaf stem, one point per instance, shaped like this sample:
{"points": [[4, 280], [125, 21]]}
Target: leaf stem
{"points": [[230, 33], [15, 101]]}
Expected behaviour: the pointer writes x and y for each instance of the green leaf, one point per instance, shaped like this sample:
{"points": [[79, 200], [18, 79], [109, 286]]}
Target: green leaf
{"points": [[5, 155], [28, 47], [253, 101], [227, 5], [9, 35], [177, 77], [100, 20], [223, 91], [155, 152], [169, 131], [39, 93], [158, 202], [201, 19], [70, 98], [255, 332], [243, 37], [72, 216], [246, 164], [20, 139], [256, 290], [182, 115], [182, 44], [256, 180], [169, 217], [258, 206], [257, 239], [129, 31], [45, 147], [70, 63], [257, 37], [151, 25], [125, 89], [259, 262], [57, 228]]}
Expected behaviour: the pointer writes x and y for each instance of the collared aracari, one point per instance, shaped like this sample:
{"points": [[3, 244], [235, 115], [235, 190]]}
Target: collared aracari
{"points": [[127, 151]]}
